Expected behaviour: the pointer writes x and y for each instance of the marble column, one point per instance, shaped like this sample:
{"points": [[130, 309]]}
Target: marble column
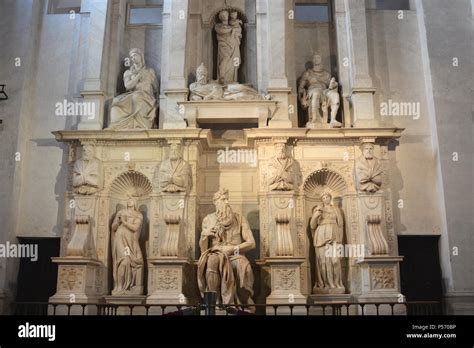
{"points": [[94, 84], [273, 28], [174, 85], [354, 38]]}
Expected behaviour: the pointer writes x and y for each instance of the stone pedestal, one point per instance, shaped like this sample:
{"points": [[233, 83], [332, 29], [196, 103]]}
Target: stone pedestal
{"points": [[331, 304], [363, 103], [123, 303], [257, 112], [380, 279], [167, 280], [174, 114], [285, 284], [96, 121], [281, 118], [81, 280]]}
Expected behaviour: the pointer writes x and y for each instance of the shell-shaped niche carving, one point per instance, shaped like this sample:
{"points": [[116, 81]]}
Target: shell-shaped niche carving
{"points": [[131, 183], [324, 179]]}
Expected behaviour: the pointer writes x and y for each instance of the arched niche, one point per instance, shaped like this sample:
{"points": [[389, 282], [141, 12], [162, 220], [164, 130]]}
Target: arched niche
{"points": [[316, 183], [321, 180], [137, 185]]}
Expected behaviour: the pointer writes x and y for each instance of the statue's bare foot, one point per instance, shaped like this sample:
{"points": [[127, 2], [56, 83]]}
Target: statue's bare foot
{"points": [[336, 124]]}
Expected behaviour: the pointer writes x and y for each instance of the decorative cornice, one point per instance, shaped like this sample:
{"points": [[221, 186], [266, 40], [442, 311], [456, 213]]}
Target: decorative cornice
{"points": [[251, 136]]}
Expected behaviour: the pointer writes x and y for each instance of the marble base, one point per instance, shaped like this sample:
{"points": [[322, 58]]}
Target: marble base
{"points": [[124, 301], [285, 284], [330, 298], [329, 304], [80, 280], [167, 281], [281, 118], [95, 122], [174, 117], [380, 279], [257, 112], [328, 291]]}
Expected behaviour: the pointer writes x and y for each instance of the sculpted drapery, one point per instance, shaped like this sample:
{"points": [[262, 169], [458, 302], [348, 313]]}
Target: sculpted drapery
{"points": [[174, 173], [136, 109], [222, 267], [229, 35], [369, 170], [327, 228], [86, 178], [126, 253]]}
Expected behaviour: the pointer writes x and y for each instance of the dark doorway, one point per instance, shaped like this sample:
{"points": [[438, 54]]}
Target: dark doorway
{"points": [[37, 279], [420, 271]]}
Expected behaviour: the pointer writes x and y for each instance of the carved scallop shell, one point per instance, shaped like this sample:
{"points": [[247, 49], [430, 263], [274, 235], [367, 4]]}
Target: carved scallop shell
{"points": [[324, 179], [131, 183]]}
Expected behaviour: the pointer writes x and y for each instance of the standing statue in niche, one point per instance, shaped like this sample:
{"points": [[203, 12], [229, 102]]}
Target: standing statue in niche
{"points": [[87, 173], [126, 253], [368, 170], [174, 173], [222, 267], [136, 109], [327, 227], [281, 170], [229, 36], [318, 91]]}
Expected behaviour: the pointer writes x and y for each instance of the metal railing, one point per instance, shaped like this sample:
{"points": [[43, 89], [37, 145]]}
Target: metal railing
{"points": [[212, 308]]}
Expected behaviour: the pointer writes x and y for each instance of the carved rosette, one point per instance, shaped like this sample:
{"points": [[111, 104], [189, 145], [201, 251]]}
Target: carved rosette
{"points": [[382, 278], [71, 279], [167, 279], [286, 279]]}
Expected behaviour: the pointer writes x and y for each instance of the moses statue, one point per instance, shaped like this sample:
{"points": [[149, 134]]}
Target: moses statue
{"points": [[223, 267]]}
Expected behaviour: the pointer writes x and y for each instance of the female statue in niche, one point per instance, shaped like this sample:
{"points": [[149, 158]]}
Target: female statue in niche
{"points": [[126, 254], [327, 228], [136, 109], [229, 36]]}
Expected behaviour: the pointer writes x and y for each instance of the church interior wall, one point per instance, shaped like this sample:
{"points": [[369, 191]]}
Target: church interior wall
{"points": [[395, 54], [53, 51]]}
